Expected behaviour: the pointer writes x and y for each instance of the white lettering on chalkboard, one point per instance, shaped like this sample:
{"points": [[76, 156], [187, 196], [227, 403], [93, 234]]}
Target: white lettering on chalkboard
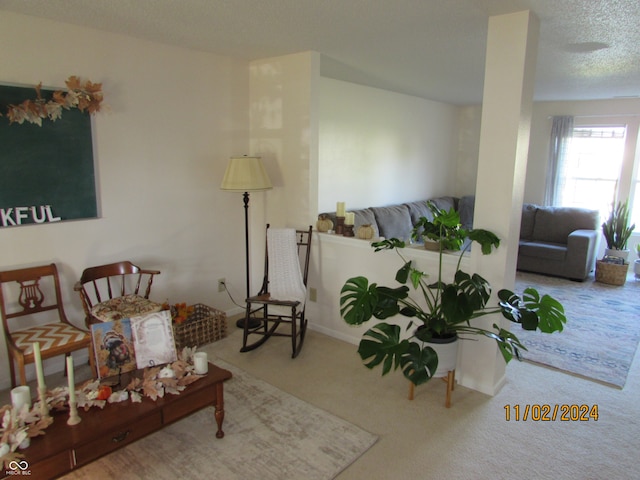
{"points": [[17, 215]]}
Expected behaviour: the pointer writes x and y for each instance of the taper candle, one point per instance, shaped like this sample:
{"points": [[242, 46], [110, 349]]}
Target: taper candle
{"points": [[72, 381], [37, 358]]}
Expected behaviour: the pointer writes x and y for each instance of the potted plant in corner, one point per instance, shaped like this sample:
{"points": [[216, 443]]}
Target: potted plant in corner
{"points": [[445, 311], [617, 231]]}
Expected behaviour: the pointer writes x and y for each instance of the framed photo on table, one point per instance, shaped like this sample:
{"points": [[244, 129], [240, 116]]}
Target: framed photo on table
{"points": [[153, 339], [113, 347]]}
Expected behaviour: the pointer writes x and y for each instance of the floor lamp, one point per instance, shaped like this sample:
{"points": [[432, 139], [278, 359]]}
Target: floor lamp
{"points": [[245, 174]]}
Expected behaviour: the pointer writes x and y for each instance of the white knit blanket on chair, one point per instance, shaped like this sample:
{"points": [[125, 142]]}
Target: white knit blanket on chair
{"points": [[285, 276]]}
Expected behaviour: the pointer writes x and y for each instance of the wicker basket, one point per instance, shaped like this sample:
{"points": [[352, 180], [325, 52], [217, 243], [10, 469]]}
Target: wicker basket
{"points": [[204, 325], [611, 273]]}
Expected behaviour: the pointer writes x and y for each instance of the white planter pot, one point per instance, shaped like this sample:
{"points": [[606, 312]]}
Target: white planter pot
{"points": [[636, 268], [612, 252], [447, 356]]}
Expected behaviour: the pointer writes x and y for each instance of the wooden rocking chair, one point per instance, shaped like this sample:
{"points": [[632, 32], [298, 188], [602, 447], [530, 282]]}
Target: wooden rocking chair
{"points": [[282, 298]]}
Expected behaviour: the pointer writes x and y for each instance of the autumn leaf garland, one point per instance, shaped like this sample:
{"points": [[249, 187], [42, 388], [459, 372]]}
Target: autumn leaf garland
{"points": [[85, 96]]}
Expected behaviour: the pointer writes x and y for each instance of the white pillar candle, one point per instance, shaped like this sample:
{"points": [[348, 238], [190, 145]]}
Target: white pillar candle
{"points": [[200, 363], [349, 218], [340, 209], [21, 396], [72, 380], [37, 358]]}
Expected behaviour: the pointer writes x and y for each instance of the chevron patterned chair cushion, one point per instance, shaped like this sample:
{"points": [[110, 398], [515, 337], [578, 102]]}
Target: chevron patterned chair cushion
{"points": [[50, 336], [124, 307]]}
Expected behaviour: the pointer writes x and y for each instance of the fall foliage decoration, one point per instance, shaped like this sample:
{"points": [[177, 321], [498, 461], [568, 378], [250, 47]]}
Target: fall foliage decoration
{"points": [[85, 96], [180, 312], [18, 426]]}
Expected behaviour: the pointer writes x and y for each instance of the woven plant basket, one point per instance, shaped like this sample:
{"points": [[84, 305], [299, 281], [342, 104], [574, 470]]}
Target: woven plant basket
{"points": [[204, 325], [611, 273]]}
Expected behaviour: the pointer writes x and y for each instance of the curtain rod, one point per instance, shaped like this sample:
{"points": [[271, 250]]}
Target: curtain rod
{"points": [[603, 115]]}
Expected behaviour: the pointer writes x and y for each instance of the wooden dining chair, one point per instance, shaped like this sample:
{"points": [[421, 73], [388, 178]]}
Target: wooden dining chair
{"points": [[23, 305], [115, 291]]}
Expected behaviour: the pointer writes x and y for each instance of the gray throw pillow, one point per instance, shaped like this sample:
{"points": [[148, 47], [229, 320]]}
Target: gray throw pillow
{"points": [[393, 221]]}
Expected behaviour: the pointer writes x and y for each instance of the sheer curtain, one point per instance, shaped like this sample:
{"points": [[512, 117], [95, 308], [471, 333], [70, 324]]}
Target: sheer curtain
{"points": [[561, 133]]}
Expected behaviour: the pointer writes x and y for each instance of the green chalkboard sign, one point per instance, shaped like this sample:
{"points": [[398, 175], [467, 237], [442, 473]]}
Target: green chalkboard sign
{"points": [[46, 172]]}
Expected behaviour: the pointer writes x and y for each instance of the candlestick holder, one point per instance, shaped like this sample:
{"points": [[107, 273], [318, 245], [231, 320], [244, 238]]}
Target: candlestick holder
{"points": [[348, 231], [339, 225], [42, 396], [74, 418]]}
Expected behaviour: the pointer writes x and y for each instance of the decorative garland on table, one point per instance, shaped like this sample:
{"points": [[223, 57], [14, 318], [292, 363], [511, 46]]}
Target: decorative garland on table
{"points": [[19, 426], [85, 96]]}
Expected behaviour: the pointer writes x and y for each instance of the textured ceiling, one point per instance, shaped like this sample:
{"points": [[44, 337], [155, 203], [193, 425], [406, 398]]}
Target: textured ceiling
{"points": [[589, 49]]}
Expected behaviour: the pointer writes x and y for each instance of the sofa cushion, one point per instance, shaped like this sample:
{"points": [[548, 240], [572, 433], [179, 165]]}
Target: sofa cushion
{"points": [[554, 224], [543, 251], [528, 220], [393, 221], [466, 207], [124, 307], [445, 203], [418, 210]]}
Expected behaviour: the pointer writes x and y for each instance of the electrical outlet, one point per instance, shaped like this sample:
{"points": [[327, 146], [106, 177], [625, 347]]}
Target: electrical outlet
{"points": [[221, 284], [313, 294]]}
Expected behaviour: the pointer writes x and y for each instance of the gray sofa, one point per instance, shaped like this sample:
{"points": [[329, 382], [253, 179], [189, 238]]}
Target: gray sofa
{"points": [[559, 241], [556, 241]]}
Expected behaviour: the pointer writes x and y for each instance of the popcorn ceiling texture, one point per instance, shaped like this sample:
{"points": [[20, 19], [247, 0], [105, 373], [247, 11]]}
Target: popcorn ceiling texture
{"points": [[429, 48]]}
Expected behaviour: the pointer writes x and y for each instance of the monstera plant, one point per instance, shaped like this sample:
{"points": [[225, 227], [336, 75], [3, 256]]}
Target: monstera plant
{"points": [[446, 309]]}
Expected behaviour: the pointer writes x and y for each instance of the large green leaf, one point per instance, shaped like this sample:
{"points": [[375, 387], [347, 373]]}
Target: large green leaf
{"points": [[475, 288], [403, 274], [387, 301], [455, 306], [508, 343], [381, 344], [486, 239], [550, 312], [419, 363], [358, 300], [387, 244], [532, 311]]}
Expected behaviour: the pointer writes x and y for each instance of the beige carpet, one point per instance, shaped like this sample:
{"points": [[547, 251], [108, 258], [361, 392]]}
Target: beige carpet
{"points": [[469, 441], [269, 434]]}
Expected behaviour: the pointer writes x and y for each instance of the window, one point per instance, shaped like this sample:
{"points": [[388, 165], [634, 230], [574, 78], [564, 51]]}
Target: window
{"points": [[592, 166], [601, 166]]}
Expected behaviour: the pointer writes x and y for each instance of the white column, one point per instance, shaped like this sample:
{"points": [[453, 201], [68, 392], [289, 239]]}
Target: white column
{"points": [[504, 141]]}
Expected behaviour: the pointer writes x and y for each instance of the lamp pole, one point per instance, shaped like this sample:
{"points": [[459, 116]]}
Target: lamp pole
{"points": [[245, 198], [246, 174]]}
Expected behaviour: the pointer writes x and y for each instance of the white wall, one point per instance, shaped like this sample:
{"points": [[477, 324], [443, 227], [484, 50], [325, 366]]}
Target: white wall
{"points": [[175, 118], [379, 147], [284, 133]]}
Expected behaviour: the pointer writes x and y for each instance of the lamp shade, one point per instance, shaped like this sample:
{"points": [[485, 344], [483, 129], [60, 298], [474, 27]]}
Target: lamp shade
{"points": [[245, 174]]}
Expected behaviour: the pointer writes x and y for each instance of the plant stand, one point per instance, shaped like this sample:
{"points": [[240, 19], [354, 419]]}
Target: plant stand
{"points": [[450, 380]]}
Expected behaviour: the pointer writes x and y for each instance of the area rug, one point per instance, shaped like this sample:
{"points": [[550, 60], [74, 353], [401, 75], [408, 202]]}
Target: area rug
{"points": [[602, 332], [269, 434]]}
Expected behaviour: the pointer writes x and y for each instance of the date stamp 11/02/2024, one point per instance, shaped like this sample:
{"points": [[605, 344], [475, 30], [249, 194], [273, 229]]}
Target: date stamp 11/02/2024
{"points": [[551, 413]]}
